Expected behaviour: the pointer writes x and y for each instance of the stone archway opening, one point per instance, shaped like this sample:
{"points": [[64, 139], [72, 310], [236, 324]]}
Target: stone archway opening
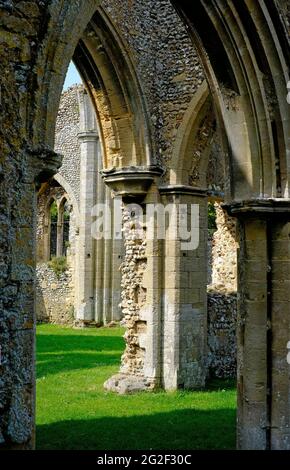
{"points": [[53, 226], [65, 221], [112, 134], [55, 267], [222, 293]]}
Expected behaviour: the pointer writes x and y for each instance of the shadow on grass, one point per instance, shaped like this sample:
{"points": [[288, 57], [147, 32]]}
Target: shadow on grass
{"points": [[58, 343], [177, 429], [180, 429], [48, 364], [64, 353]]}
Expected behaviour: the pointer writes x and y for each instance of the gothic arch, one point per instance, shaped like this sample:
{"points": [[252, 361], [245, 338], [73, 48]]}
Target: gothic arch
{"points": [[47, 195], [66, 186], [65, 24], [187, 158], [247, 73], [110, 78], [89, 37]]}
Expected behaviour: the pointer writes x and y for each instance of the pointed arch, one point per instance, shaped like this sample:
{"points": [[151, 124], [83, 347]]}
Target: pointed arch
{"points": [[247, 73]]}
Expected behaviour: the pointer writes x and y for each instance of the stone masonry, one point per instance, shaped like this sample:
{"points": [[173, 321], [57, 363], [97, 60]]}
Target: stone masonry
{"points": [[224, 252], [66, 139], [56, 296], [158, 73], [222, 297]]}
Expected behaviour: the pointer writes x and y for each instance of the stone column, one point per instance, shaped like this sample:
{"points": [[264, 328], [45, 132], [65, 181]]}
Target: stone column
{"points": [[99, 278], [184, 320], [150, 299], [117, 255], [99, 252], [280, 337], [141, 284], [107, 267], [111, 276], [263, 324], [107, 262], [17, 288], [88, 138], [163, 287], [17, 294]]}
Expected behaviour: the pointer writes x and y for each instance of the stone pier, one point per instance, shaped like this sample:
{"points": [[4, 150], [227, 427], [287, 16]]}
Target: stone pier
{"points": [[164, 299], [263, 324]]}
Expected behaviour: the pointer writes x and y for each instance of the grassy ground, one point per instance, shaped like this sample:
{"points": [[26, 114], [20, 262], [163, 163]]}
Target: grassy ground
{"points": [[74, 412]]}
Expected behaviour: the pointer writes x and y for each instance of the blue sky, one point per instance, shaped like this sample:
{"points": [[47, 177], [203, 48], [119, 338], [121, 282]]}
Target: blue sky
{"points": [[72, 77]]}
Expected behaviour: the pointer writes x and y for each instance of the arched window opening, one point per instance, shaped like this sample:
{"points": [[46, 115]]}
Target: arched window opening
{"points": [[66, 228], [53, 212]]}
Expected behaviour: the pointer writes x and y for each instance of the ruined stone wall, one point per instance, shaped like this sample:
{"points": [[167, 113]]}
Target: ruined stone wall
{"points": [[133, 294], [166, 63], [54, 295], [222, 323], [133, 297], [66, 138], [222, 296], [224, 252]]}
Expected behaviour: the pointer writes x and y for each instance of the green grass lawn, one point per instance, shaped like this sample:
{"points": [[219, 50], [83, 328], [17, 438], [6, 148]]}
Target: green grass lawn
{"points": [[74, 411]]}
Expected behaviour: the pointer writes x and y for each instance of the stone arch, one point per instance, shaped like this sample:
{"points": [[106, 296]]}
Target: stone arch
{"points": [[66, 186], [109, 76], [246, 41], [62, 231], [45, 50], [64, 26], [46, 196], [183, 153], [116, 93]]}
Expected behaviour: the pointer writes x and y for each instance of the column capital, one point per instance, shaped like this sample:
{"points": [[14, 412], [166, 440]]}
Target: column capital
{"points": [[43, 163], [258, 207], [180, 189], [132, 182], [88, 136]]}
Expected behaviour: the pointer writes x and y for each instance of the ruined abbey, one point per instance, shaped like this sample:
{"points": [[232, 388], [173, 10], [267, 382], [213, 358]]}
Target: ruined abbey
{"points": [[87, 291], [184, 106]]}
